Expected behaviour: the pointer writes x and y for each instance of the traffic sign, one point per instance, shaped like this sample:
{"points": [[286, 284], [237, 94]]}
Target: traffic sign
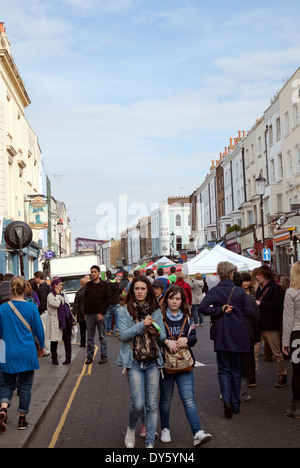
{"points": [[49, 254], [266, 255]]}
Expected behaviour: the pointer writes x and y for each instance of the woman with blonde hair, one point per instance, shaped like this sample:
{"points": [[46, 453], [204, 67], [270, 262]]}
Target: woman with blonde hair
{"points": [[19, 322], [291, 336]]}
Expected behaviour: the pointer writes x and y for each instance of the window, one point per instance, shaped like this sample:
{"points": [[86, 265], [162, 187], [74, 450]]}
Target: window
{"points": [[259, 146], [289, 164], [271, 135], [286, 122], [178, 220], [273, 177], [250, 218], [295, 115], [252, 153], [278, 129], [280, 167]]}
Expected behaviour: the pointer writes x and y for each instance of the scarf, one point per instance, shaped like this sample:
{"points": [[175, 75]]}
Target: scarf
{"points": [[63, 313], [143, 310]]}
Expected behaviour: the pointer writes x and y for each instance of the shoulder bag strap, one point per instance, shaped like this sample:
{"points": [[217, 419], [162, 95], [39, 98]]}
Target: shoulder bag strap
{"points": [[182, 328], [231, 294], [15, 310], [263, 294], [172, 337]]}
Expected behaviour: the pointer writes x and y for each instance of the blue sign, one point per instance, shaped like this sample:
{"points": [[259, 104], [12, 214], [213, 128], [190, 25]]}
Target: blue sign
{"points": [[49, 254], [267, 255]]}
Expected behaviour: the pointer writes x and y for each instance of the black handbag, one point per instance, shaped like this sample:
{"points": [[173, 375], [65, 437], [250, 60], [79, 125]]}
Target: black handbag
{"points": [[215, 320]]}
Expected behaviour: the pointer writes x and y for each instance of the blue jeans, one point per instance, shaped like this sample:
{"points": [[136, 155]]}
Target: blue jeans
{"points": [[24, 382], [92, 323], [185, 385], [143, 386], [113, 309], [230, 377], [198, 317]]}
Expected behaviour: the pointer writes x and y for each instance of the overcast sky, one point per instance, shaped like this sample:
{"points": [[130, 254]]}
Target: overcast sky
{"points": [[136, 97]]}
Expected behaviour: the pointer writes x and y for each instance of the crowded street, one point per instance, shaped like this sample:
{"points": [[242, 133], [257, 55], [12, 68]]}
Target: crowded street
{"points": [[149, 227], [97, 416]]}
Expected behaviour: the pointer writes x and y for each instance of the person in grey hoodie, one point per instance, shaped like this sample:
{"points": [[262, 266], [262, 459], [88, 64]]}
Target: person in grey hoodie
{"points": [[291, 336], [198, 294]]}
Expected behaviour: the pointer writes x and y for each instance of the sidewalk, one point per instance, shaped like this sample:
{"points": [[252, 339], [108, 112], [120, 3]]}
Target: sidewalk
{"points": [[47, 381]]}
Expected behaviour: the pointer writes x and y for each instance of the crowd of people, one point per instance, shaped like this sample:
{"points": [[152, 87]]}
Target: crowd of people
{"points": [[155, 319]]}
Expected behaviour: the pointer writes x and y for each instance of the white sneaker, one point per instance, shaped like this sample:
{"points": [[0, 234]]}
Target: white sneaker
{"points": [[130, 438], [165, 436], [201, 438]]}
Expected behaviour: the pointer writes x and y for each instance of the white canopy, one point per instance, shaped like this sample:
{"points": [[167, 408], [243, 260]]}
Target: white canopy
{"points": [[163, 261], [207, 261]]}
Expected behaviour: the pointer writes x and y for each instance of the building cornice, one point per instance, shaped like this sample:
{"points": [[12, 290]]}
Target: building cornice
{"points": [[13, 73]]}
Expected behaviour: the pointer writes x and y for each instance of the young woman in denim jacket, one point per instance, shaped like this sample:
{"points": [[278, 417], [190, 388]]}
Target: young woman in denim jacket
{"points": [[140, 312], [175, 309]]}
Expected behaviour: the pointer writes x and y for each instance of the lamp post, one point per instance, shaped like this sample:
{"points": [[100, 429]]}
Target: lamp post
{"points": [[60, 230], [260, 187], [172, 235], [291, 249]]}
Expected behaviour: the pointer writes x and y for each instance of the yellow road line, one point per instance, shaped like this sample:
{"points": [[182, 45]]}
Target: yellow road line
{"points": [[69, 404]]}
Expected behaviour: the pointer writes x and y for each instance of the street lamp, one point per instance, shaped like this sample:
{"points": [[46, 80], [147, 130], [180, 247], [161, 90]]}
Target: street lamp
{"points": [[60, 230], [291, 249], [172, 235], [260, 187]]}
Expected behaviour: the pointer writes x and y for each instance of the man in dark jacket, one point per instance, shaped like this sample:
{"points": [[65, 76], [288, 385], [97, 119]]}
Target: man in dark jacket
{"points": [[270, 299], [96, 302], [43, 291], [229, 305], [78, 311]]}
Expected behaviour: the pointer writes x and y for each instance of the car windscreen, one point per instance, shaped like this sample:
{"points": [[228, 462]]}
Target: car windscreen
{"points": [[71, 284]]}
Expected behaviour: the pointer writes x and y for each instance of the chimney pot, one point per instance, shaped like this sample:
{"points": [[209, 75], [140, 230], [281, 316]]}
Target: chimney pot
{"points": [[240, 134], [2, 27]]}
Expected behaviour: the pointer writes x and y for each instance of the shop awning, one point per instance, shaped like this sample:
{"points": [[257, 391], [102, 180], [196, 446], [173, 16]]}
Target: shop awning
{"points": [[294, 221]]}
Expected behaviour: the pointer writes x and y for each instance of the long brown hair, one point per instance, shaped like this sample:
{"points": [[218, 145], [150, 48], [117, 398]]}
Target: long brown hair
{"points": [[172, 291], [150, 299]]}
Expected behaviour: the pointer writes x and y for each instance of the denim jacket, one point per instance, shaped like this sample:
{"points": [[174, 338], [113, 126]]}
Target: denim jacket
{"points": [[128, 329]]}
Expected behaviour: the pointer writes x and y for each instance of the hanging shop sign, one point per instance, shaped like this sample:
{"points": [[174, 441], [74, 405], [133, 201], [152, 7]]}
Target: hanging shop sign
{"points": [[38, 214]]}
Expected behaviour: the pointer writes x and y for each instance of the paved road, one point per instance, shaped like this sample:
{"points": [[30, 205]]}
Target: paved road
{"points": [[97, 413]]}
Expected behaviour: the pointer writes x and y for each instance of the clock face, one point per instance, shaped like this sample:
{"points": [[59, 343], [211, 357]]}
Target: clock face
{"points": [[17, 232]]}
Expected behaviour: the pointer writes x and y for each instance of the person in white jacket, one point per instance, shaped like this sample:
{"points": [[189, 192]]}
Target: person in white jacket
{"points": [[291, 336], [60, 321]]}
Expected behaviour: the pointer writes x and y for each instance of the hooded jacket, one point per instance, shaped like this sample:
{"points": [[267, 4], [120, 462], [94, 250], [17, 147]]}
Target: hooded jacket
{"points": [[187, 289]]}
